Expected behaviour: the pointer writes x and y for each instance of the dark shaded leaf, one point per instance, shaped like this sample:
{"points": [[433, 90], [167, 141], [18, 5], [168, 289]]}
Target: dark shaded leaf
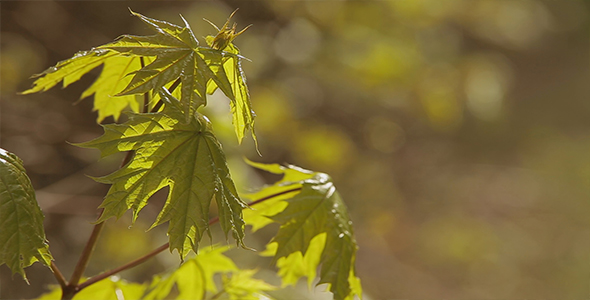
{"points": [[22, 237]]}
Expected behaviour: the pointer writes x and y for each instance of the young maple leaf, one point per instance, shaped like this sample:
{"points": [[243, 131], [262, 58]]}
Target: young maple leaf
{"points": [[174, 55], [225, 35], [187, 157]]}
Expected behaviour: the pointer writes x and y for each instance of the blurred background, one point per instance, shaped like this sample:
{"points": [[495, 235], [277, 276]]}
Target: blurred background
{"points": [[457, 132]]}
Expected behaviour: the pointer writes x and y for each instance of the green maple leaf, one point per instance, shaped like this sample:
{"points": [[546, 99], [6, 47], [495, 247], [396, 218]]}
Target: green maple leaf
{"points": [[178, 56], [260, 215], [22, 238], [315, 231], [184, 156], [200, 69]]}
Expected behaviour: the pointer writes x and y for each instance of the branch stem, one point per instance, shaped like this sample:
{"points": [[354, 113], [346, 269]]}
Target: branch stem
{"points": [[85, 257], [126, 266], [72, 287], [58, 275]]}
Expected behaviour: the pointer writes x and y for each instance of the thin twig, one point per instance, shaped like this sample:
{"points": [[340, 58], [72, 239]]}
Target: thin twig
{"points": [[85, 257], [71, 288], [274, 195], [171, 89], [126, 266]]}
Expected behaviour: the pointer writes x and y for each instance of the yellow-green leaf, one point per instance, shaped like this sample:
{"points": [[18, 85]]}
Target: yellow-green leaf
{"points": [[194, 278], [111, 81], [236, 90], [241, 286], [70, 70]]}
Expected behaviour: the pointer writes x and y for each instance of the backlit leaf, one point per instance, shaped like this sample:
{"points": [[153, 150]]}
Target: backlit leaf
{"points": [[69, 70], [184, 156], [111, 81], [178, 56], [194, 278], [241, 107], [259, 215], [22, 238], [201, 69], [241, 286], [315, 211]]}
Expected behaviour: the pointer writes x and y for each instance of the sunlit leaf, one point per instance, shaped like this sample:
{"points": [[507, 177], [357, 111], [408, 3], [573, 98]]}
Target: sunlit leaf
{"points": [[241, 107], [111, 81], [194, 278], [297, 265], [201, 69], [315, 211], [69, 70], [178, 56], [241, 286], [242, 113], [22, 237], [184, 156], [259, 215], [291, 183]]}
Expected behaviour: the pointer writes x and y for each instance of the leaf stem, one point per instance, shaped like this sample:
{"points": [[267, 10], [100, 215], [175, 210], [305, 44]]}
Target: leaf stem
{"points": [[162, 248], [146, 100], [172, 88], [274, 195]]}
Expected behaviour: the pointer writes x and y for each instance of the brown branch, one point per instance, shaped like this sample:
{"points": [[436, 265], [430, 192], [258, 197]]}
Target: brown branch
{"points": [[126, 266], [58, 275], [162, 248], [85, 257], [71, 288], [274, 195]]}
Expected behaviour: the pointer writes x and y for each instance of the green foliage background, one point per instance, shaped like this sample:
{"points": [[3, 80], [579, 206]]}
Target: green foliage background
{"points": [[457, 132]]}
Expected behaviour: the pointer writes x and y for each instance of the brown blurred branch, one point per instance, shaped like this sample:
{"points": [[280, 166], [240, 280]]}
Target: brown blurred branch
{"points": [[58, 275], [72, 287]]}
